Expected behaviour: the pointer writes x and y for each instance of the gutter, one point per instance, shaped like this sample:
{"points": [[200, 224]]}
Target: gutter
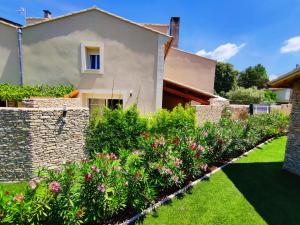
{"points": [[19, 32]]}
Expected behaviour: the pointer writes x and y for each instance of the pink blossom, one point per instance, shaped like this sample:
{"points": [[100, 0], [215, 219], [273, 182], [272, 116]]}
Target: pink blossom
{"points": [[175, 179], [193, 146], [33, 184], [88, 177], [101, 188], [201, 148], [177, 162], [112, 156], [146, 135], [168, 171], [19, 198], [54, 187], [205, 134], [79, 213], [94, 168]]}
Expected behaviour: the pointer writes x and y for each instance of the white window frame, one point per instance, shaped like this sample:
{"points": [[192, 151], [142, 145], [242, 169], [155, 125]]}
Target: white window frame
{"points": [[84, 57]]}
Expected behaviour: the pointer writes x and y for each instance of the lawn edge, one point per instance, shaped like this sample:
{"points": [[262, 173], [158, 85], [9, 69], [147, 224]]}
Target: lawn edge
{"points": [[192, 184]]}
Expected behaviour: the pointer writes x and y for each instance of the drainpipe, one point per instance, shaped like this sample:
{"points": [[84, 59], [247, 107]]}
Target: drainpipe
{"points": [[19, 31]]}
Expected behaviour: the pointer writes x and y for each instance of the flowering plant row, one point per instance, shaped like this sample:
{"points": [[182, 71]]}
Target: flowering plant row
{"points": [[165, 154]]}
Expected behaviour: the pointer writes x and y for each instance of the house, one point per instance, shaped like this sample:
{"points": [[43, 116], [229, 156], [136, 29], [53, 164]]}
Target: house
{"points": [[109, 59], [292, 154]]}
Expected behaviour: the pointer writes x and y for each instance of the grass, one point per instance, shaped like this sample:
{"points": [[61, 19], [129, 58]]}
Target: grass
{"points": [[13, 187], [253, 190]]}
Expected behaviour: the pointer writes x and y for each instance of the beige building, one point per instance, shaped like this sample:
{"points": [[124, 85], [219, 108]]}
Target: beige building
{"points": [[109, 59]]}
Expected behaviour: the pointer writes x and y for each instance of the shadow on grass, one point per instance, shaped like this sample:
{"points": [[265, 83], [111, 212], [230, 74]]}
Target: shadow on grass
{"points": [[273, 192]]}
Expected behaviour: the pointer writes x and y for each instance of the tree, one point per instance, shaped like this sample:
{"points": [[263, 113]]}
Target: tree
{"points": [[225, 77], [253, 77]]}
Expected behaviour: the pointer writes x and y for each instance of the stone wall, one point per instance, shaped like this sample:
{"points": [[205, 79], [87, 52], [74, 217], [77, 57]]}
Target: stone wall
{"points": [[30, 138], [292, 154], [51, 102], [213, 113]]}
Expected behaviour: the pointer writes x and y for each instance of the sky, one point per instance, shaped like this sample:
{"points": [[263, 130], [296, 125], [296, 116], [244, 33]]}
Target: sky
{"points": [[243, 33]]}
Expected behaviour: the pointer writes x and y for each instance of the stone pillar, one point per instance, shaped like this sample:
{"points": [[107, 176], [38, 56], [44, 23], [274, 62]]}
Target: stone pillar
{"points": [[292, 154]]}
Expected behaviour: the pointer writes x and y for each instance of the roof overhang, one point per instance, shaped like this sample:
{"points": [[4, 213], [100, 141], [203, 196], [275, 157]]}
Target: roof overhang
{"points": [[187, 92], [286, 80]]}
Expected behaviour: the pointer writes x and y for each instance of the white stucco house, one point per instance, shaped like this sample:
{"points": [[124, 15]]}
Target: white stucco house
{"points": [[109, 59]]}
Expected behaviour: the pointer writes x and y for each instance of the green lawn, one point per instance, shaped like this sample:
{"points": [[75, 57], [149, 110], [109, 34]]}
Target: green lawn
{"points": [[254, 190], [13, 187]]}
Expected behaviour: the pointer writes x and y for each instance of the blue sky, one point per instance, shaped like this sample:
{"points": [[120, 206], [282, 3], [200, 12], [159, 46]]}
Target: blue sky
{"points": [[243, 33]]}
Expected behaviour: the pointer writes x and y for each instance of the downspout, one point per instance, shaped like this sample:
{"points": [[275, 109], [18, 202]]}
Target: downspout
{"points": [[19, 32]]}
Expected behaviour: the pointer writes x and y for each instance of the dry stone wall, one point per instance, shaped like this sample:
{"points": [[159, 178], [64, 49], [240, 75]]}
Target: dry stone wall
{"points": [[292, 153], [34, 137], [51, 102]]}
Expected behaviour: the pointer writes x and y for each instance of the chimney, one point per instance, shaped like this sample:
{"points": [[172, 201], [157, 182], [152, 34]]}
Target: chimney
{"points": [[47, 14], [174, 30]]}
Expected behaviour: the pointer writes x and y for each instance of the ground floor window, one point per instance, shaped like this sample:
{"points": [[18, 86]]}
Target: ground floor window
{"points": [[96, 103]]}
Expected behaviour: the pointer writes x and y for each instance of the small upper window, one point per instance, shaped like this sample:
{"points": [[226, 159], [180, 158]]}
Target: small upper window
{"points": [[92, 58]]}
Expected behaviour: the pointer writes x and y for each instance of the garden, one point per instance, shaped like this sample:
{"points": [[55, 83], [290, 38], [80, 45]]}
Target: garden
{"points": [[134, 161]]}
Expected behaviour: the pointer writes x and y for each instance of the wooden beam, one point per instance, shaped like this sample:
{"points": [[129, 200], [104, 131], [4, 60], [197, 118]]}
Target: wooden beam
{"points": [[185, 95]]}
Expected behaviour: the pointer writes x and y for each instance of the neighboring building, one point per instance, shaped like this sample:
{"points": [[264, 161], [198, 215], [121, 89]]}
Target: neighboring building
{"points": [[292, 154], [283, 95], [109, 59]]}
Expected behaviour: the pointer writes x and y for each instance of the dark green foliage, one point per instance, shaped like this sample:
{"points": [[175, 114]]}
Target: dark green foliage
{"points": [[10, 92], [255, 76], [114, 130], [270, 96], [225, 77]]}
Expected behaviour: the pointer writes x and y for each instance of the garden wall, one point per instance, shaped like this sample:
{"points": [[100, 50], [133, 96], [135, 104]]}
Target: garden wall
{"points": [[31, 137], [51, 102], [212, 113]]}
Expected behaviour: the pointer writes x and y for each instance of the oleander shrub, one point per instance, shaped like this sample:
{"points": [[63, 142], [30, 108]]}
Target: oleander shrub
{"points": [[156, 157]]}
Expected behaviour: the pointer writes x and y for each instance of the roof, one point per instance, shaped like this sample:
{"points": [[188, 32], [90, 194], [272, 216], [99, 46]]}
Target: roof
{"points": [[195, 90], [193, 54], [163, 28], [286, 80], [9, 22], [98, 10]]}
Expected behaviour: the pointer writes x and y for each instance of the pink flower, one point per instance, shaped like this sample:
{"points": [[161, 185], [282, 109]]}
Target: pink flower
{"points": [[146, 135], [101, 188], [175, 179], [94, 168], [205, 134], [177, 162], [88, 177], [19, 198], [201, 148], [79, 213], [112, 156], [168, 171], [193, 146], [54, 187], [33, 184], [197, 155]]}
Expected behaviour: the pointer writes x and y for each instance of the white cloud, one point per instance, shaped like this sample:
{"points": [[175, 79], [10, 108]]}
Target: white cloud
{"points": [[291, 45], [223, 52]]}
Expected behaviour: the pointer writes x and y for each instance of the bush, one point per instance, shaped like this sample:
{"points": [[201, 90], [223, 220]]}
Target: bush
{"points": [[246, 96], [158, 156], [10, 92]]}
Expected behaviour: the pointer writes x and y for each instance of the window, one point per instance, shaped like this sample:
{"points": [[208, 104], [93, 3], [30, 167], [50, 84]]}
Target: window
{"points": [[92, 58], [3, 103], [114, 103], [94, 62]]}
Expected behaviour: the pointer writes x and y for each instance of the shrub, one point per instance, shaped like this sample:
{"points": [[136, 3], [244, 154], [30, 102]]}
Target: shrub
{"points": [[10, 92], [245, 96], [114, 130]]}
